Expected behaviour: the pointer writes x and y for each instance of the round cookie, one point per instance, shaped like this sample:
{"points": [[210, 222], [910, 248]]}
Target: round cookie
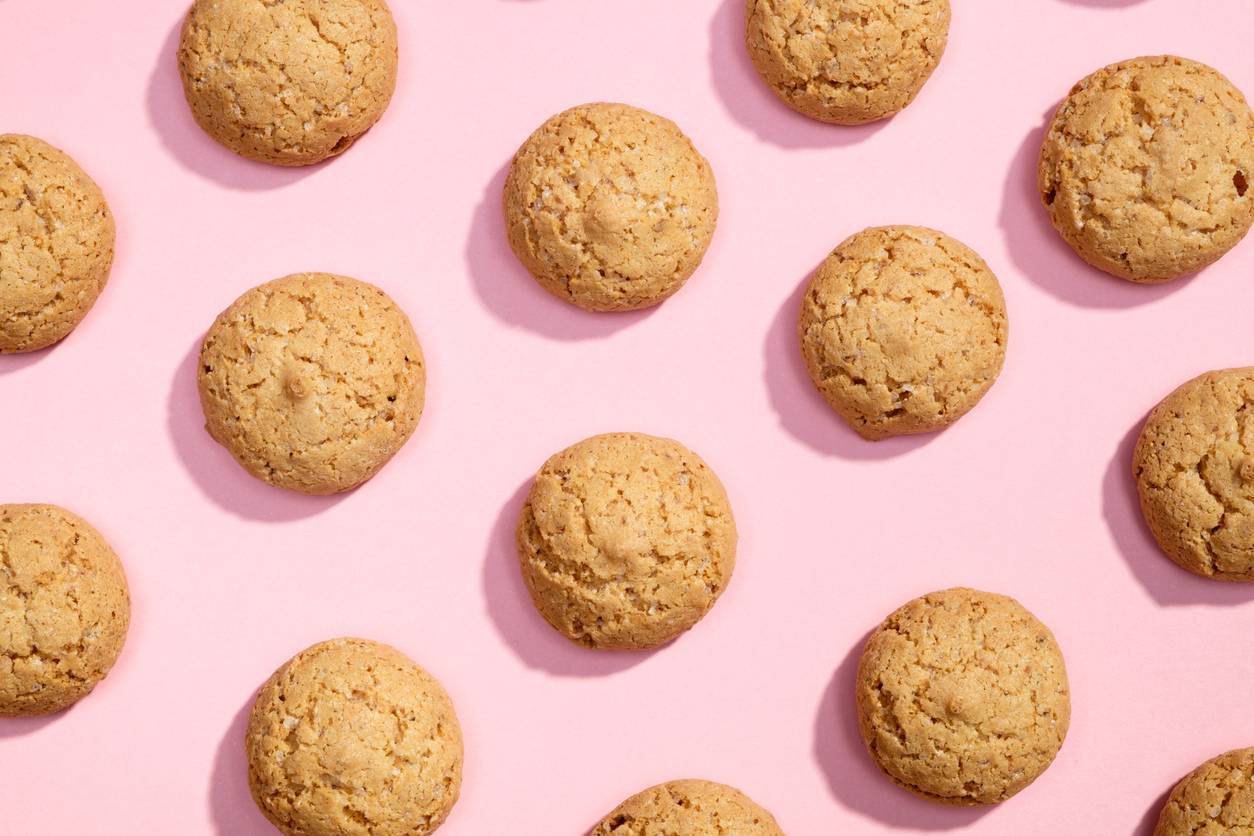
{"points": [[312, 381], [351, 738], [610, 207], [688, 808], [1194, 471], [1215, 799], [56, 244], [962, 697], [846, 61], [288, 83], [626, 540], [903, 330], [64, 609], [1146, 168]]}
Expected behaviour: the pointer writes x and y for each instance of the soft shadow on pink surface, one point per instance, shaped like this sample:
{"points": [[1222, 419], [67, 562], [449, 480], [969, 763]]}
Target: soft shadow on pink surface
{"points": [[1150, 820], [509, 292], [22, 726], [215, 472], [802, 410], [516, 619], [854, 779], [753, 104], [230, 803], [10, 363], [1166, 582]]}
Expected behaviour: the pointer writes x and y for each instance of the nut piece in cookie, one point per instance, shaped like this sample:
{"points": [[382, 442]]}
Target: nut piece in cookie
{"points": [[610, 207], [625, 541], [1146, 168], [903, 329], [1216, 798], [688, 808]]}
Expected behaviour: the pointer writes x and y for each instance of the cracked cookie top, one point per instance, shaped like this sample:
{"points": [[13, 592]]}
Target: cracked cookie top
{"points": [[610, 207], [1216, 798], [64, 609], [288, 82], [626, 540], [688, 808], [351, 738], [962, 697], [312, 381], [847, 61], [56, 244], [903, 330], [1146, 168], [1194, 471]]}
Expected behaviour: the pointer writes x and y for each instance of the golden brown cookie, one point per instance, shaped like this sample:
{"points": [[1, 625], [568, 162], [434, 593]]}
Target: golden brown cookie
{"points": [[351, 738], [312, 381], [847, 61], [903, 330], [688, 808], [289, 82], [626, 541], [1194, 471], [610, 207], [64, 609], [56, 244], [962, 697], [1216, 799], [1146, 168]]}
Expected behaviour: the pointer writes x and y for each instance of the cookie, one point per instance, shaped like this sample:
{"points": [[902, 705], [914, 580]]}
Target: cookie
{"points": [[312, 381], [688, 808], [1213, 800], [846, 61], [1194, 471], [626, 541], [903, 330], [288, 82], [351, 738], [56, 244], [1146, 168], [962, 697], [64, 609], [610, 207]]}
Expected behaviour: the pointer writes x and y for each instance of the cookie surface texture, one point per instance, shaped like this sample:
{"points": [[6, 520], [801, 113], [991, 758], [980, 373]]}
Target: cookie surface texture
{"points": [[1216, 799], [688, 808]]}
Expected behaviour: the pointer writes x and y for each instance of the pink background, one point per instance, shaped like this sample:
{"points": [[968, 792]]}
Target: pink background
{"points": [[1028, 495]]}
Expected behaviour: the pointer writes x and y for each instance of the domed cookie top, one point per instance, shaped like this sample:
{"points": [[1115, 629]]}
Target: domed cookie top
{"points": [[64, 609], [610, 207], [847, 61], [962, 697], [312, 381], [903, 330], [1146, 168], [1214, 799], [1194, 471], [292, 82], [56, 244], [351, 738], [626, 540], [688, 808]]}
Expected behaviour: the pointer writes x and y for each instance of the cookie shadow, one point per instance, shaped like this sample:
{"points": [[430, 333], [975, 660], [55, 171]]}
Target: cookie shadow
{"points": [[22, 726], [13, 363], [854, 780], [1149, 821], [509, 604], [231, 805], [215, 472], [747, 98]]}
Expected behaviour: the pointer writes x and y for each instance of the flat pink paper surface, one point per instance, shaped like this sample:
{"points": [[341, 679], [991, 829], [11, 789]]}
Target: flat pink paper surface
{"points": [[1028, 495]]}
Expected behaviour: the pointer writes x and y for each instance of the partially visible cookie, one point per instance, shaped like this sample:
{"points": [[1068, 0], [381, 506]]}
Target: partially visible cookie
{"points": [[962, 697], [1146, 168], [903, 330], [847, 61], [1215, 799], [64, 609], [351, 738], [288, 82], [1194, 471], [312, 381], [610, 207], [626, 540], [688, 808], [56, 244]]}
